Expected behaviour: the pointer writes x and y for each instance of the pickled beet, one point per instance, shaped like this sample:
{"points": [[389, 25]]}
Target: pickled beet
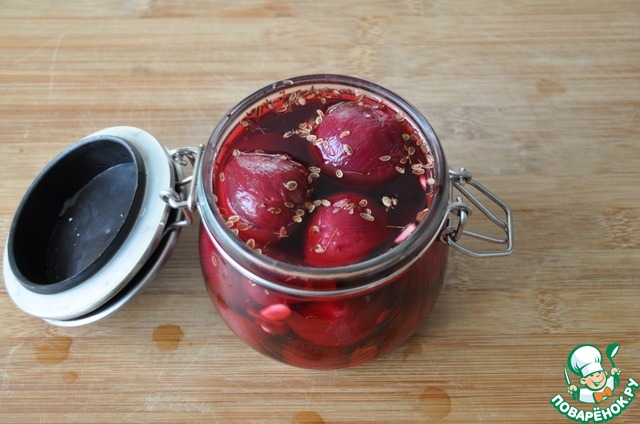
{"points": [[335, 323], [360, 144], [345, 231], [261, 193]]}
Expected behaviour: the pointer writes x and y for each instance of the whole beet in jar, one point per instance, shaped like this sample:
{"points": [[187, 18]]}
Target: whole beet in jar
{"points": [[327, 215]]}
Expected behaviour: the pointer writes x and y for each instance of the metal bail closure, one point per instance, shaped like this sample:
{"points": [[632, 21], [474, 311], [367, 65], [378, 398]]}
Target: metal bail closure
{"points": [[184, 201], [460, 210], [97, 225]]}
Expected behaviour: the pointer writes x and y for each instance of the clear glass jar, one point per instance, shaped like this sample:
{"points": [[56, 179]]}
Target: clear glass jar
{"points": [[333, 316]]}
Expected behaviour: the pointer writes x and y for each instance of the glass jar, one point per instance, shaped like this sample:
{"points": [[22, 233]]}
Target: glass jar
{"points": [[334, 316]]}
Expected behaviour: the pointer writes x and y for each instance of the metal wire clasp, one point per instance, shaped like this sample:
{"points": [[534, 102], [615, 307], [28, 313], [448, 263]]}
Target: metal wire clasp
{"points": [[455, 226], [178, 198]]}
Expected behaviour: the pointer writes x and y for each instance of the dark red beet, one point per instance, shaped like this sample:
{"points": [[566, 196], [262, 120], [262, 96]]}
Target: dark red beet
{"points": [[359, 144], [336, 323], [263, 194], [344, 232]]}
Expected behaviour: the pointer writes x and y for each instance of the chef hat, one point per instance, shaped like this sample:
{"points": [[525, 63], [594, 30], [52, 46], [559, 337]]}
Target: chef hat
{"points": [[585, 360]]}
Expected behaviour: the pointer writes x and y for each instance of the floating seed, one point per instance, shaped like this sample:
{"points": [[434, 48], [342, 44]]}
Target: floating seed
{"points": [[274, 210], [236, 152], [385, 158], [221, 177], [339, 173], [367, 216], [349, 206], [362, 203], [297, 219], [251, 243], [386, 200], [347, 149], [400, 169], [319, 249], [291, 185], [344, 134], [233, 218], [288, 134], [311, 138], [406, 137], [302, 101]]}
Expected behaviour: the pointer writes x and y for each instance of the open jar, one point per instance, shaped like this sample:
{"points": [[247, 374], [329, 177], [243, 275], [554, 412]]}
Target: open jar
{"points": [[327, 215]]}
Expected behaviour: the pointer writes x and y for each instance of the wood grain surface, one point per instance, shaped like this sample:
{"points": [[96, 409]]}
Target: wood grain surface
{"points": [[539, 99]]}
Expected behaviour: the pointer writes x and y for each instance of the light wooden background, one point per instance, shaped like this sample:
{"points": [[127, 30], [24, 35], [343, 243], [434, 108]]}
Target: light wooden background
{"points": [[540, 99]]}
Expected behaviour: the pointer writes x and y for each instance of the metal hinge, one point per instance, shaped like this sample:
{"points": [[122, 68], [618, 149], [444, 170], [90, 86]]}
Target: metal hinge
{"points": [[180, 198]]}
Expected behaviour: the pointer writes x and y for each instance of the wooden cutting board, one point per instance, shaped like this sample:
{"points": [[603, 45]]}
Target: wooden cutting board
{"points": [[539, 99]]}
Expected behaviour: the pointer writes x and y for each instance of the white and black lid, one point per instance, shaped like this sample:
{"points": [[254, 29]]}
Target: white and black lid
{"points": [[96, 225]]}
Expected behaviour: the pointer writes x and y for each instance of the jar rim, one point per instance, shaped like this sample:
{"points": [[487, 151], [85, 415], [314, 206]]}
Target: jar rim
{"points": [[363, 275]]}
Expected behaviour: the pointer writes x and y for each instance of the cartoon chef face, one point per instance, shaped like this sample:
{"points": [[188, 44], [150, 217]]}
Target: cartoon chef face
{"points": [[595, 381]]}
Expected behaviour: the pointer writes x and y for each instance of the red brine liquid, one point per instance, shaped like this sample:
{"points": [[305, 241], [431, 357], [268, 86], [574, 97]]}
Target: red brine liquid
{"points": [[324, 177]]}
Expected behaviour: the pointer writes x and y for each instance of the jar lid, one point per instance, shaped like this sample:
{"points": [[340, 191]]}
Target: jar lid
{"points": [[93, 228]]}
